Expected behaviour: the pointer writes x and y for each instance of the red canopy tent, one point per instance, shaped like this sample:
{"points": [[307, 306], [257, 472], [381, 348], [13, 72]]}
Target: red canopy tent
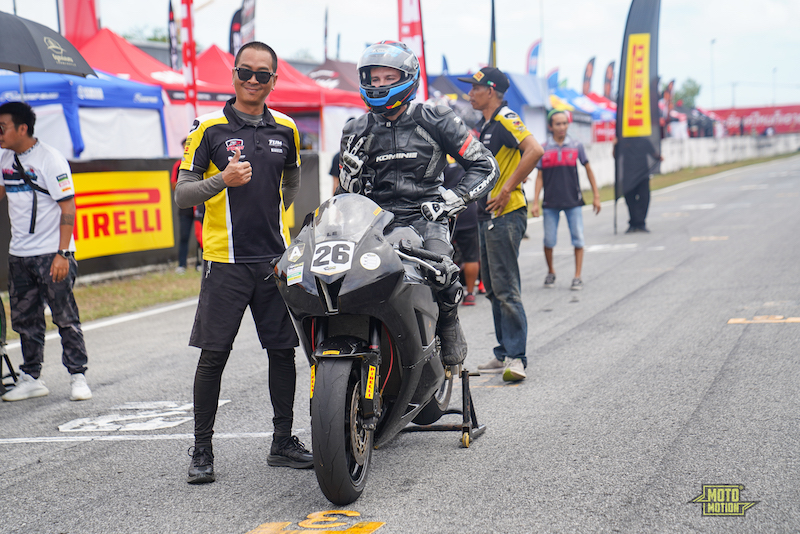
{"points": [[294, 92], [602, 101], [112, 53]]}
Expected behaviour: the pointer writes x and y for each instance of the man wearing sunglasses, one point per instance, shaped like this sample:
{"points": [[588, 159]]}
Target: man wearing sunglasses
{"points": [[243, 162], [41, 265]]}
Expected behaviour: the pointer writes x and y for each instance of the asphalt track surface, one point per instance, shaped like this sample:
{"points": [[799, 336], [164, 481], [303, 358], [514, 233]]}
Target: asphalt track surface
{"points": [[640, 391]]}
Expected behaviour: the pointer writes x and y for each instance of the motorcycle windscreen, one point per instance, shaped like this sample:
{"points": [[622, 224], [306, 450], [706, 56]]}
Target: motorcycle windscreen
{"points": [[344, 218]]}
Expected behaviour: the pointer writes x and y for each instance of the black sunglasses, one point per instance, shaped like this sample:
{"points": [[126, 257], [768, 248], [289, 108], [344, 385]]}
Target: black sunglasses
{"points": [[261, 76]]}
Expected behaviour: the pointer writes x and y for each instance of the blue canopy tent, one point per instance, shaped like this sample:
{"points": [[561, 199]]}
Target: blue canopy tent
{"points": [[75, 94], [586, 104], [527, 95]]}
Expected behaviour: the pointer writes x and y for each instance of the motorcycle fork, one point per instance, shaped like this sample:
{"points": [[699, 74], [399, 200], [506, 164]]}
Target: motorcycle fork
{"points": [[370, 377]]}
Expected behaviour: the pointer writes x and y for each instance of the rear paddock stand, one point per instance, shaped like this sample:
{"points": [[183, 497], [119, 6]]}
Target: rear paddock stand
{"points": [[470, 428]]}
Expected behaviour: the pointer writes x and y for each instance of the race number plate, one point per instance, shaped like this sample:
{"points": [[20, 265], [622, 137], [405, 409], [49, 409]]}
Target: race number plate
{"points": [[332, 257]]}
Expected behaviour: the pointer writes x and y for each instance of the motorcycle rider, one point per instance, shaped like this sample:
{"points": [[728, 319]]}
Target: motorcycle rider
{"points": [[395, 155]]}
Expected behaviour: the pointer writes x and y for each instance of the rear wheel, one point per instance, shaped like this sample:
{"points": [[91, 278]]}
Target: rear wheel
{"points": [[342, 446], [435, 409]]}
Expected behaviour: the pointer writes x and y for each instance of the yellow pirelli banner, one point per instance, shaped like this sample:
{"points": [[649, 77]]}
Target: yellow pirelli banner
{"points": [[636, 120], [124, 211]]}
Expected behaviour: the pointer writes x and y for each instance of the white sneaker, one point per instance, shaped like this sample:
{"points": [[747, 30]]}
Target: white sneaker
{"points": [[27, 387], [80, 390], [514, 371], [492, 366]]}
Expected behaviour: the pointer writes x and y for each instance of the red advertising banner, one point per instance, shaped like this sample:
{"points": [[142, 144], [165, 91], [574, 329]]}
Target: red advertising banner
{"points": [[78, 20], [604, 131], [410, 19], [189, 55], [743, 121]]}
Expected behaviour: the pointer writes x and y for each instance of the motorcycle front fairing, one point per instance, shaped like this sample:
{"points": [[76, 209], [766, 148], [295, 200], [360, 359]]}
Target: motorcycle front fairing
{"points": [[338, 272]]}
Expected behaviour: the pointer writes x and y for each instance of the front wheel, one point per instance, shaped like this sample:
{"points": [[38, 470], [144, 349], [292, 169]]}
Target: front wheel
{"points": [[342, 446]]}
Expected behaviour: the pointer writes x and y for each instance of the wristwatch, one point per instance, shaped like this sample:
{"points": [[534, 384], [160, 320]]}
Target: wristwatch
{"points": [[64, 253]]}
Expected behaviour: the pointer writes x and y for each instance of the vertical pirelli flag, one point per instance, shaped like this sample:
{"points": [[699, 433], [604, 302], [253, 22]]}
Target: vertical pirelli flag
{"points": [[410, 31], [609, 81], [638, 134], [235, 37], [532, 63], [587, 77], [248, 30]]}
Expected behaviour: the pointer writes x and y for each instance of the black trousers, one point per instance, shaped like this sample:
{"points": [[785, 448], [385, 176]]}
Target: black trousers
{"points": [[638, 201], [207, 382], [30, 287]]}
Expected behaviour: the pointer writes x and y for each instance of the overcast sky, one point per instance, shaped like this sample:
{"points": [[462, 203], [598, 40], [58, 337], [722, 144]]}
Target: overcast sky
{"points": [[756, 55]]}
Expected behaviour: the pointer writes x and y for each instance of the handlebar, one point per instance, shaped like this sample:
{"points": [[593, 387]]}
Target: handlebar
{"points": [[421, 253]]}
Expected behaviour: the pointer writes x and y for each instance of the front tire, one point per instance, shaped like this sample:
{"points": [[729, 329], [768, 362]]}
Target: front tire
{"points": [[342, 446]]}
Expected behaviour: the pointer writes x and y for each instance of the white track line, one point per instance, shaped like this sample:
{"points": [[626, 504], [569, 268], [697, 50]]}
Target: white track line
{"points": [[118, 320]]}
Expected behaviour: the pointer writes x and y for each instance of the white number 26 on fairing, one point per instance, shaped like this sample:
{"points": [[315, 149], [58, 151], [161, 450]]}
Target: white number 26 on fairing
{"points": [[332, 257]]}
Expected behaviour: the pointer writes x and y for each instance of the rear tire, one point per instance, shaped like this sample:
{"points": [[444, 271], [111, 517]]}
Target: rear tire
{"points": [[436, 408], [342, 446]]}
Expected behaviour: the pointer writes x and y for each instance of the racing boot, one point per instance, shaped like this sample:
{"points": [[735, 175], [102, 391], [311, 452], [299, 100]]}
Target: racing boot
{"points": [[451, 336]]}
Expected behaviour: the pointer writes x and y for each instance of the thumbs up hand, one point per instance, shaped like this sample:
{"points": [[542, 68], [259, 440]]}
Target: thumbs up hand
{"points": [[237, 173]]}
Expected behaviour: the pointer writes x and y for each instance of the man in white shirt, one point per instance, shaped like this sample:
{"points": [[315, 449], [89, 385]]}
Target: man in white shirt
{"points": [[41, 263]]}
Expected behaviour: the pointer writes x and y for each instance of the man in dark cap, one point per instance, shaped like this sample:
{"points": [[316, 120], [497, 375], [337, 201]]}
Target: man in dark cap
{"points": [[503, 218]]}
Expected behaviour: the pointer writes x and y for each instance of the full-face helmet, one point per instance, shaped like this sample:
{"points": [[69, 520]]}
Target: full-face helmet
{"points": [[394, 54]]}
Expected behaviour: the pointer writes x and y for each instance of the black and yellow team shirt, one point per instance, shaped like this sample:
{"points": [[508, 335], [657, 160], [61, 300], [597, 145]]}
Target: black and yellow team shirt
{"points": [[244, 224], [502, 135]]}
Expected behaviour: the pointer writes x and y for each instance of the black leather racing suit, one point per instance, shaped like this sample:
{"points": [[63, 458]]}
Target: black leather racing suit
{"points": [[403, 164], [405, 158]]}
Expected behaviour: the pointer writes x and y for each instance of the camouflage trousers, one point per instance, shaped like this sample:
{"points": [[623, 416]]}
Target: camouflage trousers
{"points": [[30, 286]]}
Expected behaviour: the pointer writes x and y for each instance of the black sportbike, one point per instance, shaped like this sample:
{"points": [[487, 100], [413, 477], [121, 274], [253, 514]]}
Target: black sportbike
{"points": [[366, 317]]}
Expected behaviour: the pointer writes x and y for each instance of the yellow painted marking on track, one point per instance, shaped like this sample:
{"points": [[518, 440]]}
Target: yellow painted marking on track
{"points": [[766, 319], [675, 214], [710, 238], [785, 195], [321, 520]]}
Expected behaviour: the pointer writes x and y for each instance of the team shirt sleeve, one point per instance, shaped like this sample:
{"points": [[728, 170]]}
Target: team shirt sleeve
{"points": [[293, 157], [582, 155], [58, 178], [196, 152], [517, 131]]}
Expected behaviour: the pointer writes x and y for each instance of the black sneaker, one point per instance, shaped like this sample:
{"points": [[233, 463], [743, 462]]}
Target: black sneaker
{"points": [[290, 452], [201, 470]]}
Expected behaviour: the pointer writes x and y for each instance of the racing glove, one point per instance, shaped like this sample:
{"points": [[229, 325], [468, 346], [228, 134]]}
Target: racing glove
{"points": [[352, 164], [452, 206]]}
